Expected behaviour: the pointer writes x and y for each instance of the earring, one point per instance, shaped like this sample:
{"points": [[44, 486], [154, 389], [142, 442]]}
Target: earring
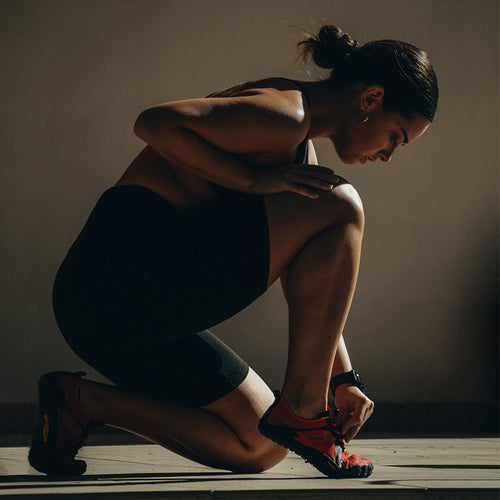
{"points": [[365, 119]]}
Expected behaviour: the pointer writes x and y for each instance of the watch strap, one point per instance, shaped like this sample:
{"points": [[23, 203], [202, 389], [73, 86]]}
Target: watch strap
{"points": [[352, 377]]}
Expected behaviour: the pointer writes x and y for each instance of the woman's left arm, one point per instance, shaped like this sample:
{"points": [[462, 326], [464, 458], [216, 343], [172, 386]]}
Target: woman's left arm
{"points": [[355, 407]]}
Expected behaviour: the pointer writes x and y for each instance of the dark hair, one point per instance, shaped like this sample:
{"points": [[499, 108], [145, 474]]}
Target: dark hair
{"points": [[404, 70]]}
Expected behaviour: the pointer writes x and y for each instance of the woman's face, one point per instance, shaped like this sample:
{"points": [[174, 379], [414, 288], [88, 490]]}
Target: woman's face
{"points": [[378, 137]]}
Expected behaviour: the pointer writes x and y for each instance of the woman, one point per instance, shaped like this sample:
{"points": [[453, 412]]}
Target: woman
{"points": [[226, 198]]}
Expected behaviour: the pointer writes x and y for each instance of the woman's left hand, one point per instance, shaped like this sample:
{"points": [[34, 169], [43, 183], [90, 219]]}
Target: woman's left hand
{"points": [[355, 409]]}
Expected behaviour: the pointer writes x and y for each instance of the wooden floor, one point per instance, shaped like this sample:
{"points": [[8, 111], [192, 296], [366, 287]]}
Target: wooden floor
{"points": [[407, 468]]}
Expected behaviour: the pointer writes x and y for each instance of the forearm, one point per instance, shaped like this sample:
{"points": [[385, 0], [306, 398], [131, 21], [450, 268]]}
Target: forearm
{"points": [[184, 148], [342, 362]]}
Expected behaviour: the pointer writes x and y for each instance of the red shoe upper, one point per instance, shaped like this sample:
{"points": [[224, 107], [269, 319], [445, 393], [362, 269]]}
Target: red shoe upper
{"points": [[319, 433]]}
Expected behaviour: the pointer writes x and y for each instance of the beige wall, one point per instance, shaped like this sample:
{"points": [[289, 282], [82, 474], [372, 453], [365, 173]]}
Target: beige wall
{"points": [[77, 72]]}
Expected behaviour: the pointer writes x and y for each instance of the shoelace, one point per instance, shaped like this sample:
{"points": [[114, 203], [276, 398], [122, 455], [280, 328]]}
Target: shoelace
{"points": [[332, 426], [336, 432]]}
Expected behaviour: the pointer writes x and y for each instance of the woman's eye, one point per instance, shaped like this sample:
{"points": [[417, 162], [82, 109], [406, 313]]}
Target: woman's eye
{"points": [[394, 139]]}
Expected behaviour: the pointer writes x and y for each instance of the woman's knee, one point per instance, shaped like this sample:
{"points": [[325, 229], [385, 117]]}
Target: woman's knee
{"points": [[346, 205], [260, 458], [295, 220], [242, 409]]}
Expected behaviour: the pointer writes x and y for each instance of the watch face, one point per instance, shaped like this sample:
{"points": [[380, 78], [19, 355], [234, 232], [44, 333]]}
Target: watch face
{"points": [[351, 377]]}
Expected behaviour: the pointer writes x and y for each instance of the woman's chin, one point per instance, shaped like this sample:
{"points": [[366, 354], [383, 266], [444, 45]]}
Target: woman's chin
{"points": [[350, 161], [348, 157]]}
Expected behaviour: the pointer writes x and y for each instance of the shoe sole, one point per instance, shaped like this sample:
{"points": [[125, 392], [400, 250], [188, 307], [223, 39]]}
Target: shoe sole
{"points": [[42, 456], [321, 461]]}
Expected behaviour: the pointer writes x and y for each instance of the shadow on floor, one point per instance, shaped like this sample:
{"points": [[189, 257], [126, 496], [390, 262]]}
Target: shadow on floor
{"points": [[40, 482], [448, 466]]}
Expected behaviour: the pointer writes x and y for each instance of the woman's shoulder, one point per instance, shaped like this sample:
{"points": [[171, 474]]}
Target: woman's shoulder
{"points": [[275, 82], [279, 88], [280, 95]]}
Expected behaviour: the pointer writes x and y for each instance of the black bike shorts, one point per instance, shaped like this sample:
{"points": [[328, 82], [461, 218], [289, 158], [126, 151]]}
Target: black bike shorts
{"points": [[143, 282]]}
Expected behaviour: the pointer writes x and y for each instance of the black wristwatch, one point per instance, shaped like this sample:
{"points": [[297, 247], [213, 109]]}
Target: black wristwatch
{"points": [[351, 377]]}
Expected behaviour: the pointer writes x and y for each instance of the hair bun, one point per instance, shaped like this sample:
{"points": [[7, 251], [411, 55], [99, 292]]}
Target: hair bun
{"points": [[330, 48]]}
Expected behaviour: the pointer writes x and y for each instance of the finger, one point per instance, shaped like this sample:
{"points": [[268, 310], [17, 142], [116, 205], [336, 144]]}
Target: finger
{"points": [[318, 168], [365, 410], [318, 173], [368, 410], [306, 180], [303, 190], [350, 428], [354, 422], [313, 176], [352, 433]]}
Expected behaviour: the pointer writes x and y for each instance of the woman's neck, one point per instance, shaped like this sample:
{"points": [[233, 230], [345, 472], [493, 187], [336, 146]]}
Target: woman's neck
{"points": [[329, 107]]}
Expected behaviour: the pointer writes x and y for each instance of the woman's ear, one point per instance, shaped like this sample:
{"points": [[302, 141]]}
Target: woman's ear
{"points": [[372, 98]]}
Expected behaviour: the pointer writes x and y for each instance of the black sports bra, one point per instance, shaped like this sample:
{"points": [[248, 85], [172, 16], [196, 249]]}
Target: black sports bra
{"points": [[302, 154]]}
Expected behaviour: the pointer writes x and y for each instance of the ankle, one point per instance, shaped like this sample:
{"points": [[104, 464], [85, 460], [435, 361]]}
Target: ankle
{"points": [[305, 406]]}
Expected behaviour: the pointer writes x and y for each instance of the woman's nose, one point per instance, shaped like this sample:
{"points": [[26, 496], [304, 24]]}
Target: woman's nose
{"points": [[385, 157]]}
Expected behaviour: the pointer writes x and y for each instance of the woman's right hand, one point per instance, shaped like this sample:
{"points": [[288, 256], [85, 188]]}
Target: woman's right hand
{"points": [[306, 180]]}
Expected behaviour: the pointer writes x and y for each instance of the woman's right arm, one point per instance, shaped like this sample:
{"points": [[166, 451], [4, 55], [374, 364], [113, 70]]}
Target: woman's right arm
{"points": [[204, 136]]}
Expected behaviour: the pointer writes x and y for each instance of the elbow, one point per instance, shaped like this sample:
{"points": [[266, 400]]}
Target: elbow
{"points": [[143, 125], [138, 125], [152, 123]]}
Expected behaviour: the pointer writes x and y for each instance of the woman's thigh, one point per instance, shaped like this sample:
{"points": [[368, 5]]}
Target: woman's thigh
{"points": [[192, 371], [293, 220]]}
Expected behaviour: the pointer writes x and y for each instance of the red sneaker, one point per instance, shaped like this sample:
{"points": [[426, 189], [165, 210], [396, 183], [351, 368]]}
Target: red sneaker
{"points": [[63, 426], [319, 440]]}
